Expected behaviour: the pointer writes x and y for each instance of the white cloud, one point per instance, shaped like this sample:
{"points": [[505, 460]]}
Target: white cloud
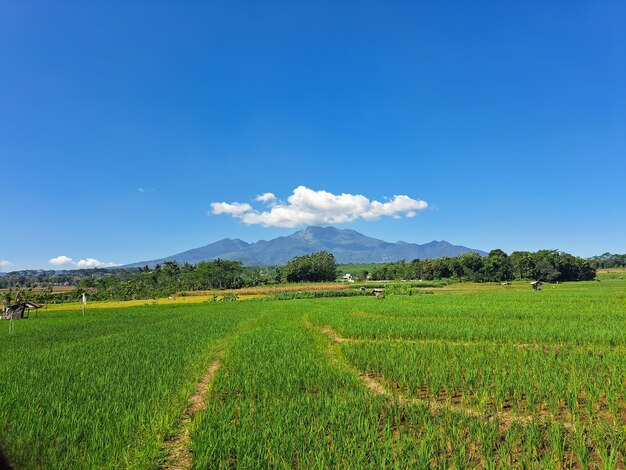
{"points": [[93, 263], [4, 263], [235, 209], [308, 207], [141, 190], [60, 260], [266, 197], [83, 263]]}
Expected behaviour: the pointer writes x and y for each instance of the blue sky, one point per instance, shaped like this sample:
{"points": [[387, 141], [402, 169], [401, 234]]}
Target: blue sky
{"points": [[122, 122]]}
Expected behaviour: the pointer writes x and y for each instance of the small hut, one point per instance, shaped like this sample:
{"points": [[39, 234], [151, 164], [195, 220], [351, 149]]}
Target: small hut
{"points": [[19, 310], [537, 285]]}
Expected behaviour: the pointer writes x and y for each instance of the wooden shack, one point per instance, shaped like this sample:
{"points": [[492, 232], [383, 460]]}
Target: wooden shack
{"points": [[20, 310]]}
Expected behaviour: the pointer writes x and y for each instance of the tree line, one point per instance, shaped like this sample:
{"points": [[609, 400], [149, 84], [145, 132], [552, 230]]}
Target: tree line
{"points": [[543, 265], [170, 277], [162, 280], [608, 260], [51, 277]]}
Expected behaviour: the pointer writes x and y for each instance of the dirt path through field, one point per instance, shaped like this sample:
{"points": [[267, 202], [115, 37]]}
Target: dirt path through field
{"points": [[178, 453], [505, 418], [336, 338], [177, 448]]}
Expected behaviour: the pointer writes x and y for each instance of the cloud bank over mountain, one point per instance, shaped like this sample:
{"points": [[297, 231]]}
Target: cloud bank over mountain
{"points": [[83, 263], [309, 207]]}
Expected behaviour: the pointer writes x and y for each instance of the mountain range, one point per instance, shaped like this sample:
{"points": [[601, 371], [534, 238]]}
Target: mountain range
{"points": [[348, 246]]}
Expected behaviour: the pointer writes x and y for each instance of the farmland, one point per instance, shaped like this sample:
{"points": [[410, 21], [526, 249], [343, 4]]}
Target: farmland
{"points": [[472, 375]]}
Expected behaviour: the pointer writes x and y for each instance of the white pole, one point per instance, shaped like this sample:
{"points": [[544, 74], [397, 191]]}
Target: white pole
{"points": [[84, 303]]}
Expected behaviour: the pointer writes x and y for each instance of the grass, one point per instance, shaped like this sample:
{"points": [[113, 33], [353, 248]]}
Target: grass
{"points": [[358, 268], [101, 391], [572, 383], [177, 300], [474, 375]]}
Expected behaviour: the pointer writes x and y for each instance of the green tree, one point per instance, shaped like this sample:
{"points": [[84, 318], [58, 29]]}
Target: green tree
{"points": [[497, 266], [472, 264], [316, 267]]}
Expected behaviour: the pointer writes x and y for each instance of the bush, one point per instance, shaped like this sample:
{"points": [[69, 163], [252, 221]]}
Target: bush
{"points": [[317, 294], [384, 285], [398, 288]]}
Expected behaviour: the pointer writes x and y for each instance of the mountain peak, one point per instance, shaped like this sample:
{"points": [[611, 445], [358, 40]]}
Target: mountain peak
{"points": [[315, 231], [348, 246]]}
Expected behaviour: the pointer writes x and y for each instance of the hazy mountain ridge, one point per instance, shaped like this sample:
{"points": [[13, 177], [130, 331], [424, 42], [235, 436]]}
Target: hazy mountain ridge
{"points": [[348, 246]]}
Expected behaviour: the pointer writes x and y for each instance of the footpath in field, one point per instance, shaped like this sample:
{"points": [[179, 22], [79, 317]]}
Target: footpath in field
{"points": [[438, 403], [178, 454]]}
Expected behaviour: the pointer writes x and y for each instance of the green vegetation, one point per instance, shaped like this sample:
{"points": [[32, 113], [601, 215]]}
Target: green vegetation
{"points": [[544, 265], [317, 267], [609, 260], [161, 281], [471, 376], [358, 271], [103, 390], [315, 294], [170, 278]]}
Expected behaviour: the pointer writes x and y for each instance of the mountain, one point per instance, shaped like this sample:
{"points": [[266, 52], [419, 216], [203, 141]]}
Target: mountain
{"points": [[348, 246]]}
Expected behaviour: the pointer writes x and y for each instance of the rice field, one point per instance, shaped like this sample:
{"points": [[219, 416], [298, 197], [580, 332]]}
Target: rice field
{"points": [[472, 376]]}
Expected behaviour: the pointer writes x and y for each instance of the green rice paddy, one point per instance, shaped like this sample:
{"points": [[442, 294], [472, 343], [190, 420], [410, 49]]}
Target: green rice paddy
{"points": [[470, 377]]}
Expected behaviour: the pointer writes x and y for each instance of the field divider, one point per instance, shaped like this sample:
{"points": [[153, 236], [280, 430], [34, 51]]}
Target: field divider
{"points": [[505, 419], [178, 455], [336, 338]]}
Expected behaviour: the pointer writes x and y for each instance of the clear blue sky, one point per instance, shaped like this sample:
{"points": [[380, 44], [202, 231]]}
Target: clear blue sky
{"points": [[122, 121]]}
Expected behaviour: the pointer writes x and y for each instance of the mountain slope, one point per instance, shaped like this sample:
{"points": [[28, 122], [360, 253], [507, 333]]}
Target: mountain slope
{"points": [[348, 246]]}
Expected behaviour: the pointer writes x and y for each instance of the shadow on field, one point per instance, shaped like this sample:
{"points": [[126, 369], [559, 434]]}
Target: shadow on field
{"points": [[4, 463]]}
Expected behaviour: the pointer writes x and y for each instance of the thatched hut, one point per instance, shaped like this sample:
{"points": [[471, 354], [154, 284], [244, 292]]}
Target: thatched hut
{"points": [[19, 310]]}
